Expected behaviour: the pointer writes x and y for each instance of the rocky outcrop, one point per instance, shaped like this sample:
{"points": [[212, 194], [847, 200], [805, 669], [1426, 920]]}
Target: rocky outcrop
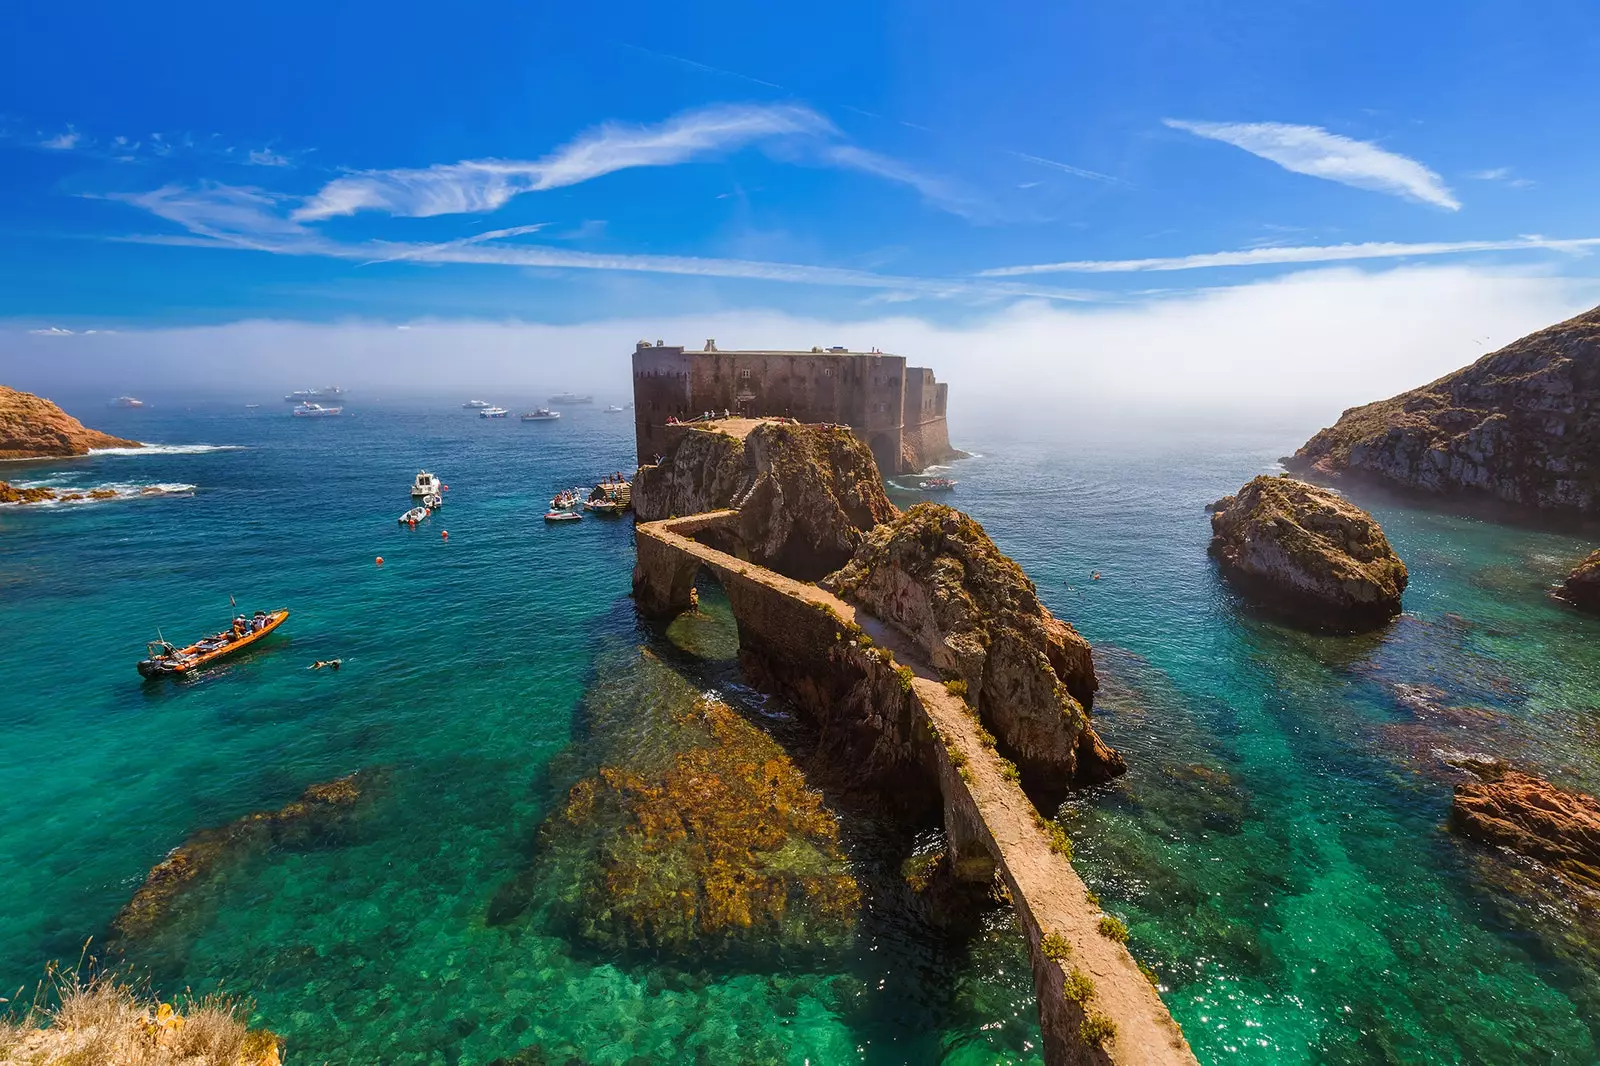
{"points": [[40, 494], [35, 428], [1308, 554], [806, 495], [319, 811], [1582, 586], [1533, 818], [1520, 426], [935, 575]]}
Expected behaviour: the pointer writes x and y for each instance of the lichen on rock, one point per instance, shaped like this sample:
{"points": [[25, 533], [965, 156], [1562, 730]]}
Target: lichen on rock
{"points": [[34, 428], [806, 494], [1308, 554], [1531, 817], [934, 574], [1582, 586], [1520, 426]]}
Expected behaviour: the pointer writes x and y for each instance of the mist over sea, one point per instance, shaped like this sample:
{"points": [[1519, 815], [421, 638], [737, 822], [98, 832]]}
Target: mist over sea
{"points": [[1277, 849]]}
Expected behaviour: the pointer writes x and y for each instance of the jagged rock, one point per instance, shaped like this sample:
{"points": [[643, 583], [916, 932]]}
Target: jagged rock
{"points": [[1582, 586], [1308, 553], [806, 494], [13, 494], [1531, 817], [934, 574], [317, 812], [1521, 425], [35, 428]]}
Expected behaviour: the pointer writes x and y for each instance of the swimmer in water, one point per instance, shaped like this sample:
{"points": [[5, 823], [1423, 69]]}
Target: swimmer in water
{"points": [[320, 663], [1095, 576]]}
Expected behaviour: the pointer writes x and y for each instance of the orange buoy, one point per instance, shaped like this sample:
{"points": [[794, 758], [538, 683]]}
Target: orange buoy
{"points": [[380, 560], [444, 534]]}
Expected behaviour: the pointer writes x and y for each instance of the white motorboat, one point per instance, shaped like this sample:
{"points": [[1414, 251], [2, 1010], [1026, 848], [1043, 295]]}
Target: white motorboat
{"points": [[413, 516], [127, 401], [543, 414], [316, 410], [563, 516], [476, 405], [493, 412], [613, 409], [426, 485], [302, 396]]}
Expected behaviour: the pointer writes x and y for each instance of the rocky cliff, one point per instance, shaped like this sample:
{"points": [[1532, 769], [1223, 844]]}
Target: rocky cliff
{"points": [[1520, 426], [935, 575], [1533, 818], [35, 428], [1582, 586], [806, 494], [1307, 554]]}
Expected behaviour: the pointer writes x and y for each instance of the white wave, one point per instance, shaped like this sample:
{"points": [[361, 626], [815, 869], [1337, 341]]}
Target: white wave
{"points": [[169, 449]]}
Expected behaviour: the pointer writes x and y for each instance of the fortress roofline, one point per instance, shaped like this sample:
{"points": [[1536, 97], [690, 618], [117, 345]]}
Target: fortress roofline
{"points": [[796, 352]]}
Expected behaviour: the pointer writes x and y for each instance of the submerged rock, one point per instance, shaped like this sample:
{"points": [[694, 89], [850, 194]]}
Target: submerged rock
{"points": [[935, 575], [318, 811], [16, 494], [1518, 426], [1582, 586], [806, 494], [1308, 553], [35, 428], [1531, 817], [722, 847]]}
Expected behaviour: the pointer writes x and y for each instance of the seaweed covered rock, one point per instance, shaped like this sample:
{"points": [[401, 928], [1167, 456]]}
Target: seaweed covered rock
{"points": [[1308, 554], [35, 428], [721, 848], [806, 494], [319, 812], [1531, 817], [1520, 426], [1582, 586], [935, 575]]}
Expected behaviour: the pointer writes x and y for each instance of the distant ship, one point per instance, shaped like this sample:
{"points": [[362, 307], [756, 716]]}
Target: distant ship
{"points": [[127, 401], [613, 409], [567, 397], [493, 412], [316, 410], [327, 392], [476, 405], [543, 414]]}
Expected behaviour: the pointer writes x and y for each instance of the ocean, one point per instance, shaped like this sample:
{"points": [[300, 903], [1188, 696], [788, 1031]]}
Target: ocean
{"points": [[1278, 849]]}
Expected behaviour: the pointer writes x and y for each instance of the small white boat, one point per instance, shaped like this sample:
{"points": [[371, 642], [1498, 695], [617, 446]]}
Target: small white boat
{"points": [[316, 410], [251, 406], [543, 414], [476, 405], [938, 484], [413, 516], [327, 392], [493, 412], [613, 409], [425, 485], [606, 506], [563, 516], [127, 401], [564, 500]]}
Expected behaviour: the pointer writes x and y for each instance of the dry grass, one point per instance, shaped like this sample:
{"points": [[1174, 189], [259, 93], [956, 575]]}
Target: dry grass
{"points": [[103, 1021]]}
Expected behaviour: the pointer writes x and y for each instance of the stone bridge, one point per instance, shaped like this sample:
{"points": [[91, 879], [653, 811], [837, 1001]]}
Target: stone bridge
{"points": [[796, 637]]}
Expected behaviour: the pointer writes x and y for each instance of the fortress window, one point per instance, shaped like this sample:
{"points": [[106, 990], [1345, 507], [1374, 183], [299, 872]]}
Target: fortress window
{"points": [[827, 371], [744, 375]]}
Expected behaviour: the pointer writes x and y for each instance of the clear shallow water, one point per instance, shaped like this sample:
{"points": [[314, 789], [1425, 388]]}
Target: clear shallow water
{"points": [[1277, 849]]}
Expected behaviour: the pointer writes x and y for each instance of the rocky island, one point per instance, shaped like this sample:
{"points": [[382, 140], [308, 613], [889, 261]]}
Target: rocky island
{"points": [[1307, 553], [34, 428], [1520, 427], [1582, 586]]}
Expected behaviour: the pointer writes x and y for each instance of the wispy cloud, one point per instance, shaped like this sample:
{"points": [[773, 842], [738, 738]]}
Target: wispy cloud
{"points": [[476, 186], [64, 141], [1504, 175], [934, 190], [225, 212], [266, 157], [1334, 253], [704, 68], [1068, 168], [1319, 153], [52, 331]]}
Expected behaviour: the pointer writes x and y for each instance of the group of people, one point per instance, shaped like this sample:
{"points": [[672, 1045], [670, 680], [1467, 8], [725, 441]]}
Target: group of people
{"points": [[703, 416], [243, 625]]}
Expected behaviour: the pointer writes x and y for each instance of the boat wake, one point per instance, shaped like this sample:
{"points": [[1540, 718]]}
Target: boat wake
{"points": [[169, 449]]}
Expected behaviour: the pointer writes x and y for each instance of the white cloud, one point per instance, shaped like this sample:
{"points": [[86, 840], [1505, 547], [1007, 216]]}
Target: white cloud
{"points": [[1269, 256], [266, 157], [1315, 151], [1504, 175], [230, 213], [1332, 337], [936, 191], [1077, 172], [63, 142], [52, 331], [476, 186]]}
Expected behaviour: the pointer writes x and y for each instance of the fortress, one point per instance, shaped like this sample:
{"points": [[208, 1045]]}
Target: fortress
{"points": [[896, 410]]}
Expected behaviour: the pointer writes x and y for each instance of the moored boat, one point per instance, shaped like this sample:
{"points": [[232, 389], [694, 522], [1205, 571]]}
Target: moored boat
{"points": [[163, 659], [425, 485], [476, 405], [543, 414], [613, 409], [493, 412], [415, 515], [938, 484], [127, 401], [605, 507], [327, 392], [316, 410], [562, 516]]}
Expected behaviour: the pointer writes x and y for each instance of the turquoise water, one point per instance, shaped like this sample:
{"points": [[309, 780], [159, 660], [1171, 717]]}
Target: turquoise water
{"points": [[1277, 849]]}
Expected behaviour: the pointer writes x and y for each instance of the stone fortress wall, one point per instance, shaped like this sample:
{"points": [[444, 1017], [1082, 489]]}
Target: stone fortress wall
{"points": [[896, 410]]}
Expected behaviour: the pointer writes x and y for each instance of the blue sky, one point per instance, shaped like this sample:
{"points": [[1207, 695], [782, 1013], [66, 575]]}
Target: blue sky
{"points": [[192, 165]]}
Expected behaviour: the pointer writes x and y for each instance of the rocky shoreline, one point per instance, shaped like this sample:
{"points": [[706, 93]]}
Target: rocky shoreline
{"points": [[34, 428]]}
